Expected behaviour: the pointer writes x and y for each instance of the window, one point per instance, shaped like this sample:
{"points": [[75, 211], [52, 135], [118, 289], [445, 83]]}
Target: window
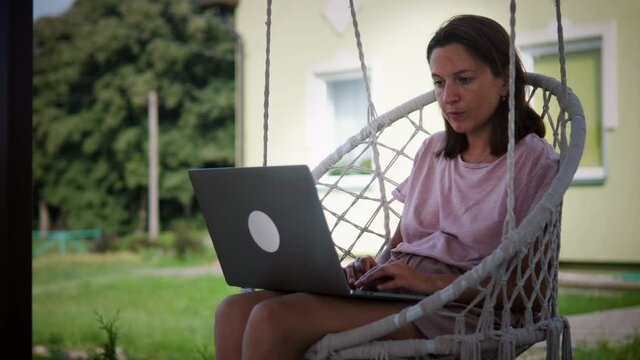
{"points": [[338, 110], [348, 104], [590, 76]]}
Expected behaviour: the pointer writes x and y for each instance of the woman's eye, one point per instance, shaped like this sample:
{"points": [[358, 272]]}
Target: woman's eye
{"points": [[465, 80], [438, 83]]}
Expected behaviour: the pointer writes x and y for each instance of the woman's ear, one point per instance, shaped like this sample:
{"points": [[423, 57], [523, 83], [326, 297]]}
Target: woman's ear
{"points": [[504, 90]]}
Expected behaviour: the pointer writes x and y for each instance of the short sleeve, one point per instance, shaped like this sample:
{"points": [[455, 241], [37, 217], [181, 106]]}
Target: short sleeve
{"points": [[400, 192]]}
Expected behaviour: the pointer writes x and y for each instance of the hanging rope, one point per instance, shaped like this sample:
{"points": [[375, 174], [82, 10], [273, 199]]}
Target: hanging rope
{"points": [[265, 126], [363, 66], [510, 219], [371, 116], [563, 75]]}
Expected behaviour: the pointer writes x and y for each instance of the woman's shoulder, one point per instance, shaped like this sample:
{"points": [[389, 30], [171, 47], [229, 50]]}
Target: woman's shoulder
{"points": [[536, 157], [533, 146], [429, 148], [434, 141]]}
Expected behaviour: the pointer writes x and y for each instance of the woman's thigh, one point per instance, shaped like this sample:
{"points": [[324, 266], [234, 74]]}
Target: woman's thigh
{"points": [[309, 317]]}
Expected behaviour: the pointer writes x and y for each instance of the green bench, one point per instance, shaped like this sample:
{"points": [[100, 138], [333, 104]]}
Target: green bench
{"points": [[63, 239]]}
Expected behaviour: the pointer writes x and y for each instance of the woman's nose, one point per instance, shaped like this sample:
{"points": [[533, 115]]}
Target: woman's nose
{"points": [[450, 93]]}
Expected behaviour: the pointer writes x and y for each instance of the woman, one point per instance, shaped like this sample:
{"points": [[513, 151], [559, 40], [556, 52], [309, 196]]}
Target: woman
{"points": [[455, 205]]}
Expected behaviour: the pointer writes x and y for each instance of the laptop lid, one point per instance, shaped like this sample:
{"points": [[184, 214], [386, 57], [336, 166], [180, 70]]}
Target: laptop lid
{"points": [[268, 228]]}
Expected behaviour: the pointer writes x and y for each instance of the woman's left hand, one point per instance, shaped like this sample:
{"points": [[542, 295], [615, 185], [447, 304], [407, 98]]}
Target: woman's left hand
{"points": [[398, 276]]}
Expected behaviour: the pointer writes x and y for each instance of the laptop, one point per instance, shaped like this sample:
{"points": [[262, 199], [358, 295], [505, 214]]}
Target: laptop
{"points": [[269, 231]]}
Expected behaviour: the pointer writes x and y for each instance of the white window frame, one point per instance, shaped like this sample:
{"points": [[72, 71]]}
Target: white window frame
{"points": [[582, 37], [318, 110]]}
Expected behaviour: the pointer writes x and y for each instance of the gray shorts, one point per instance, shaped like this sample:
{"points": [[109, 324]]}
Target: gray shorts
{"points": [[443, 321]]}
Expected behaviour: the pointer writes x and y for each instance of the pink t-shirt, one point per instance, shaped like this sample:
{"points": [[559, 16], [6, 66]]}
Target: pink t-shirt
{"points": [[454, 211]]}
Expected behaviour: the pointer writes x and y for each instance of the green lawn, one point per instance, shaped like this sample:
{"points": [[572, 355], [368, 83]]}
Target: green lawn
{"points": [[574, 301], [163, 316], [159, 317]]}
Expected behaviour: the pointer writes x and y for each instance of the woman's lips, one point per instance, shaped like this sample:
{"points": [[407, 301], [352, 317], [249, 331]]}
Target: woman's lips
{"points": [[455, 115]]}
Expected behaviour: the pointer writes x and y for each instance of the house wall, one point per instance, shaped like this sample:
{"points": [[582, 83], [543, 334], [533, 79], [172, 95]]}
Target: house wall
{"points": [[597, 219]]}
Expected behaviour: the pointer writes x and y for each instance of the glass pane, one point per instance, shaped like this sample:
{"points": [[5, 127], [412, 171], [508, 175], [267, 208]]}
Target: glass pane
{"points": [[349, 102], [584, 77]]}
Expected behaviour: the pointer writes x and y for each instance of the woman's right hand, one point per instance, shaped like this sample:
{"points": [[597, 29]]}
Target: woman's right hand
{"points": [[359, 267]]}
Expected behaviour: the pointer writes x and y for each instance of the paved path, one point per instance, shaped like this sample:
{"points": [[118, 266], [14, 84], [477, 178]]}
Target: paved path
{"points": [[614, 326], [588, 330]]}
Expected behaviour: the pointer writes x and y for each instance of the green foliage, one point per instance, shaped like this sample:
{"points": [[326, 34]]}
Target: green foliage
{"points": [[94, 67], [186, 241], [109, 347]]}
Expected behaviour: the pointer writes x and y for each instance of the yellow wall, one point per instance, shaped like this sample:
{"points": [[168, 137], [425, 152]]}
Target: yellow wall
{"points": [[598, 220]]}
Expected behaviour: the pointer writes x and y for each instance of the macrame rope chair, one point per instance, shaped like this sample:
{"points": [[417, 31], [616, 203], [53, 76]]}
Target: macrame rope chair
{"points": [[528, 254]]}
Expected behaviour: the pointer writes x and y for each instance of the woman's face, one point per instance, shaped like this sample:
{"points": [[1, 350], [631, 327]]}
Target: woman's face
{"points": [[467, 91]]}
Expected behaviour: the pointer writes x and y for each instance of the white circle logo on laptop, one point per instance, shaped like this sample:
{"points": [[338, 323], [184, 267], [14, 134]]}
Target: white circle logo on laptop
{"points": [[264, 231]]}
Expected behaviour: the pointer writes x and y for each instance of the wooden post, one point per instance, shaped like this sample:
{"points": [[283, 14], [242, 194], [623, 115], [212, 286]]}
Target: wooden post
{"points": [[44, 219], [154, 204]]}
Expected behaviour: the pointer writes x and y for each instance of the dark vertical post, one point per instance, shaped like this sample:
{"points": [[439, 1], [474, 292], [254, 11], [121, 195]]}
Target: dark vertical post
{"points": [[15, 175]]}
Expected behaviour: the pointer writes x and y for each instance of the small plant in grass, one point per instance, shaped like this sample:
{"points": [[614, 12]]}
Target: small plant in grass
{"points": [[109, 347], [204, 353]]}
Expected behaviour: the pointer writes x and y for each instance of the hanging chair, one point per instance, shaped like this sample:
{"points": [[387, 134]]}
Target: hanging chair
{"points": [[527, 254]]}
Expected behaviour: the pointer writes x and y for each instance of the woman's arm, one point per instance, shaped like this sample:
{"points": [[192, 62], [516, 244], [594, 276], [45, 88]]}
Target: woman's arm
{"points": [[362, 265], [398, 276], [396, 239], [384, 275]]}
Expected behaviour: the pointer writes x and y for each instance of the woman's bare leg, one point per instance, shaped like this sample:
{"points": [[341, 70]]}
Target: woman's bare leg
{"points": [[231, 320], [285, 327]]}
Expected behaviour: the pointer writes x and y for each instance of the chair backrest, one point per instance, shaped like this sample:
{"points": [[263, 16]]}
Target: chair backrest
{"points": [[528, 256], [335, 174]]}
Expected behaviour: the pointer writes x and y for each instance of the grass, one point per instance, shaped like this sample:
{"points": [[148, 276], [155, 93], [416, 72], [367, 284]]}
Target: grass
{"points": [[580, 301], [160, 317], [170, 316], [606, 351]]}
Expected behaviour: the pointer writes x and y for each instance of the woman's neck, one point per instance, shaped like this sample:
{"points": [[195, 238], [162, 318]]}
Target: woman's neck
{"points": [[479, 150]]}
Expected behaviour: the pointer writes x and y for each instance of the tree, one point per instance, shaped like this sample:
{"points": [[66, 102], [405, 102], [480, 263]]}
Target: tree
{"points": [[93, 69]]}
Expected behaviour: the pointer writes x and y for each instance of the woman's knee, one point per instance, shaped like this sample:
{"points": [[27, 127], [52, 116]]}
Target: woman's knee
{"points": [[229, 306], [267, 313], [279, 316], [239, 306]]}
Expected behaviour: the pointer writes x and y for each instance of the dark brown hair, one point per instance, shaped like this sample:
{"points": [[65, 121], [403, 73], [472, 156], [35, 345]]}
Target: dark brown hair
{"points": [[487, 41]]}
